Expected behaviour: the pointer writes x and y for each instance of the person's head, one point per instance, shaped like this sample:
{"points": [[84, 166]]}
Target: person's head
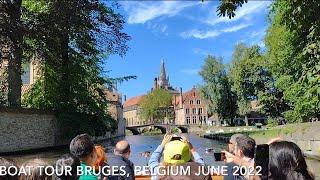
{"points": [[176, 152], [82, 147], [245, 147], [36, 170], [65, 161], [232, 142], [8, 163], [101, 157], [123, 149], [286, 161]]}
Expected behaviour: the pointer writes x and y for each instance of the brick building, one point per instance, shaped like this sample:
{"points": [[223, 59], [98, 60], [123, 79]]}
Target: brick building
{"points": [[187, 108], [190, 108], [131, 111]]}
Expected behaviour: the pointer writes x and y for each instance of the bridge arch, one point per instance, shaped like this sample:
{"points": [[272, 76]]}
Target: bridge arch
{"points": [[183, 129], [162, 129], [134, 131]]}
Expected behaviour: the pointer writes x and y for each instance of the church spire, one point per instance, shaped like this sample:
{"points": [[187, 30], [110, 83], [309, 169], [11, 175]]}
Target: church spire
{"points": [[163, 81], [163, 74]]}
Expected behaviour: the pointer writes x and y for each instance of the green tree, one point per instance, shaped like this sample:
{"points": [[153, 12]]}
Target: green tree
{"points": [[11, 35], [72, 40], [249, 76], [294, 56], [228, 7], [156, 104], [217, 89]]}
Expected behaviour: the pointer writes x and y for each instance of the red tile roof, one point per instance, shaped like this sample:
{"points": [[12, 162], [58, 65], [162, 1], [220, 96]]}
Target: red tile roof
{"points": [[133, 101], [193, 93]]}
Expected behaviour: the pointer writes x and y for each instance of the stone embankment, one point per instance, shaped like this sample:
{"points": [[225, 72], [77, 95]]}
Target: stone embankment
{"points": [[31, 129], [306, 135]]}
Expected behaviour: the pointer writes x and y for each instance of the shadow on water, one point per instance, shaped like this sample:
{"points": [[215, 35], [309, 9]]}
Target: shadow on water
{"points": [[141, 145]]}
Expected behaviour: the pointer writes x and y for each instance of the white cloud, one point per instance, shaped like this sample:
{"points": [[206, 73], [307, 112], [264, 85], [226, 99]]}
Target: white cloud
{"points": [[247, 12], [200, 34], [141, 12], [258, 34], [235, 28], [213, 33], [164, 28]]}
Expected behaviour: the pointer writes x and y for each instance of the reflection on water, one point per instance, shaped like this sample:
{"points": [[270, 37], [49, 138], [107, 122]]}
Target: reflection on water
{"points": [[140, 144]]}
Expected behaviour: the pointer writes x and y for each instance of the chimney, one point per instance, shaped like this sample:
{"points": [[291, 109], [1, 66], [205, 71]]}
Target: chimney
{"points": [[181, 99], [155, 83], [125, 98]]}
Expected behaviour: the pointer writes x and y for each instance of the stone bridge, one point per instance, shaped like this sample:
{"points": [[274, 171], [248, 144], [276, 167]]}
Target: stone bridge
{"points": [[164, 128]]}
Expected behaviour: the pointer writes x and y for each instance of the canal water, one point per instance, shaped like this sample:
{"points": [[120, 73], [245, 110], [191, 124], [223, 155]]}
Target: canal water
{"points": [[141, 144]]}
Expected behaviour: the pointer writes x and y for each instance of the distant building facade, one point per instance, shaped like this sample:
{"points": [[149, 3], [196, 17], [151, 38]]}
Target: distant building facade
{"points": [[131, 111], [190, 108], [187, 108]]}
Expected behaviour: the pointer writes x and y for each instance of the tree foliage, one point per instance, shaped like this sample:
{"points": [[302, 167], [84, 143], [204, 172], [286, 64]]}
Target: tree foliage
{"points": [[155, 105], [294, 56], [11, 34], [70, 39], [249, 75], [228, 7], [217, 89]]}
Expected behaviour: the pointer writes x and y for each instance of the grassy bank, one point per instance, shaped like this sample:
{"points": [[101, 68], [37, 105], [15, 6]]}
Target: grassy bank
{"points": [[289, 131]]}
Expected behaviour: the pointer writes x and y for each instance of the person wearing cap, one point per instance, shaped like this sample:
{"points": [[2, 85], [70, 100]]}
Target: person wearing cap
{"points": [[175, 153]]}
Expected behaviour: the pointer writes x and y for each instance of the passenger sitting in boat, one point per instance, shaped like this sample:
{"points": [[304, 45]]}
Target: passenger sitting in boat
{"points": [[36, 172], [65, 161], [101, 161], [176, 153], [6, 163]]}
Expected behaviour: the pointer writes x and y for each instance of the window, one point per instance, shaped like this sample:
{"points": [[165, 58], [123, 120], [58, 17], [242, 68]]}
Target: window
{"points": [[194, 111], [188, 120], [200, 110], [191, 101], [194, 119], [187, 111], [198, 102]]}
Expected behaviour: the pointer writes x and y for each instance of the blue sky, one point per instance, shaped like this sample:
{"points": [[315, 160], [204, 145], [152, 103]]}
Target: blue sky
{"points": [[183, 33]]}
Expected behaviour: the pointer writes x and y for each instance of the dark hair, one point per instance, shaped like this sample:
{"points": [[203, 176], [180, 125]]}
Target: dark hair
{"points": [[246, 144], [36, 172], [7, 163], [286, 161], [62, 162], [81, 146]]}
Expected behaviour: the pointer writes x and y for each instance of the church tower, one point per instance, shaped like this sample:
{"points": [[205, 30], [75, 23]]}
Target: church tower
{"points": [[163, 79]]}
